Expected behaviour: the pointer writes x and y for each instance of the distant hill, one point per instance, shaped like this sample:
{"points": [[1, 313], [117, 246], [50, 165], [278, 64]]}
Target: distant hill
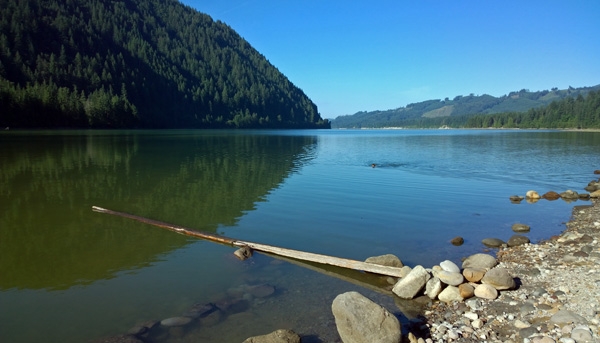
{"points": [[137, 64], [424, 113]]}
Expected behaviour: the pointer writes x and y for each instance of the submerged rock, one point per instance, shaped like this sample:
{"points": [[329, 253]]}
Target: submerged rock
{"points": [[518, 227], [261, 291], [176, 321], [551, 195], [492, 242], [119, 339], [199, 310], [359, 320], [279, 336], [457, 241], [569, 195]]}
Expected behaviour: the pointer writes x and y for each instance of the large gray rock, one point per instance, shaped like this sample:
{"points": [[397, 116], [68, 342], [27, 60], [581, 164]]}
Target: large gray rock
{"points": [[386, 260], [450, 278], [499, 278], [483, 261], [411, 284], [279, 336], [359, 320]]}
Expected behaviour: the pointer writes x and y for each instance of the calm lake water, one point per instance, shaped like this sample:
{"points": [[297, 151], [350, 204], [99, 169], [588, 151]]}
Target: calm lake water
{"points": [[68, 274]]}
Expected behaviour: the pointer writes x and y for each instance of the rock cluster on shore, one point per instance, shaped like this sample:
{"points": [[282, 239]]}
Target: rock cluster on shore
{"points": [[544, 293], [547, 292]]}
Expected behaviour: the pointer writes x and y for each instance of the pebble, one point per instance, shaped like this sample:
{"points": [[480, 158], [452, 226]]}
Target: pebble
{"points": [[581, 334], [471, 315], [176, 321]]}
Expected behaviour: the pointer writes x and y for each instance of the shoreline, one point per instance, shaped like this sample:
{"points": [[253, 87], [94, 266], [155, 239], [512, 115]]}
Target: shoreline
{"points": [[557, 298]]}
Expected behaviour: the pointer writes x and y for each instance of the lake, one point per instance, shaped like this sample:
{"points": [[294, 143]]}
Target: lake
{"points": [[69, 274]]}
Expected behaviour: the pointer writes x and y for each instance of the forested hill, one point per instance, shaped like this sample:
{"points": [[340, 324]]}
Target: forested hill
{"points": [[137, 64], [456, 112]]}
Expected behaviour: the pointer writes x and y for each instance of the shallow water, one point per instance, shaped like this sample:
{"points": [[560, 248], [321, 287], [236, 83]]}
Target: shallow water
{"points": [[69, 274]]}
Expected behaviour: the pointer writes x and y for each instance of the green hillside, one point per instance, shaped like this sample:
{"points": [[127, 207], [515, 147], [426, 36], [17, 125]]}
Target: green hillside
{"points": [[137, 64], [456, 112]]}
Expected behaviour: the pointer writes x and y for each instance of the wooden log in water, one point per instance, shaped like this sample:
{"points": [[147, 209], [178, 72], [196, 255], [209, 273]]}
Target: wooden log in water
{"points": [[323, 259], [296, 254], [179, 229]]}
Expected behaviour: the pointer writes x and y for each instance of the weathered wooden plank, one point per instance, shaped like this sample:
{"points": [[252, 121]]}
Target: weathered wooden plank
{"points": [[324, 259], [296, 254]]}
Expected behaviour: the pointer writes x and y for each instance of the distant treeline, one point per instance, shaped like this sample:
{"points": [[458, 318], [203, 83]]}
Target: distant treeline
{"points": [[455, 112], [137, 63], [581, 113]]}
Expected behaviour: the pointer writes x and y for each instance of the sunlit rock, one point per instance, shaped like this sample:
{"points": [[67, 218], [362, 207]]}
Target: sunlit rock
{"points": [[359, 320], [532, 195], [389, 260], [412, 284]]}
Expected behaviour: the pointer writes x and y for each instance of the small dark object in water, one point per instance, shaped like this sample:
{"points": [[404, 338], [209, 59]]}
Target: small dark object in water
{"points": [[373, 165], [457, 241], [243, 253]]}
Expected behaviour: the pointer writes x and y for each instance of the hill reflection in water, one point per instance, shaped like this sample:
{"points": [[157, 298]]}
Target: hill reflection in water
{"points": [[201, 179]]}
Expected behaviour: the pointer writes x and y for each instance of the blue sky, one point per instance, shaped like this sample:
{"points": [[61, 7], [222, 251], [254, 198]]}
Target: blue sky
{"points": [[351, 55]]}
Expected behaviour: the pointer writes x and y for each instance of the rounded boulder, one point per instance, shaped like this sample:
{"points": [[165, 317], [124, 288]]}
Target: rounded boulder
{"points": [[499, 278], [358, 319], [483, 261]]}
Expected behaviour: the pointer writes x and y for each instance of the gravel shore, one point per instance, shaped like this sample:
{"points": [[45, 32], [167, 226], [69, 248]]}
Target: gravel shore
{"points": [[557, 298]]}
